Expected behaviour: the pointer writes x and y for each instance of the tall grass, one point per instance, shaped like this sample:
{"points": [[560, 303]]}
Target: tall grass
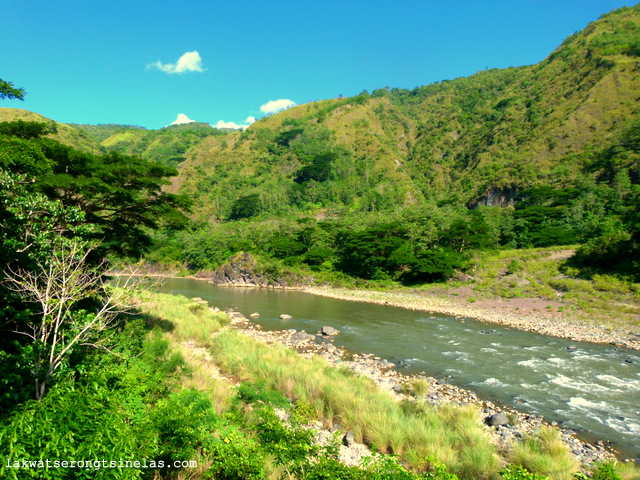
{"points": [[545, 454], [628, 471], [182, 318], [452, 435], [189, 326]]}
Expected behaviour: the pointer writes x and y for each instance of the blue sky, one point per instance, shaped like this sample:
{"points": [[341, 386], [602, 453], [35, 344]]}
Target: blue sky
{"points": [[145, 62]]}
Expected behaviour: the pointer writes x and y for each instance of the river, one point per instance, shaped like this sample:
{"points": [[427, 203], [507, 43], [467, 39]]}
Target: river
{"points": [[593, 389]]}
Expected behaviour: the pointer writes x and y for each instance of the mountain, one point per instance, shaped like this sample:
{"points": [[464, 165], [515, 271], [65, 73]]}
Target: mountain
{"points": [[62, 133], [386, 185], [166, 145], [471, 141], [474, 140]]}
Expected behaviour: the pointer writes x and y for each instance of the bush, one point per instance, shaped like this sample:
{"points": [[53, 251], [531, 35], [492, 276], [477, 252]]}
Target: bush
{"points": [[76, 424], [517, 472]]}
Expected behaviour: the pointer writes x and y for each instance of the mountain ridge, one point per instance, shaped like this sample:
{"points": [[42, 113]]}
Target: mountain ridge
{"points": [[475, 140]]}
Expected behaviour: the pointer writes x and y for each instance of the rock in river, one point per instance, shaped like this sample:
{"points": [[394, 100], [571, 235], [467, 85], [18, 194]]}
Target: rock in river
{"points": [[301, 337], [328, 331]]}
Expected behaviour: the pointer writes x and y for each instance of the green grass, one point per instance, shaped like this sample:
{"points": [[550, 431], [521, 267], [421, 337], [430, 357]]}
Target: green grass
{"points": [[181, 317], [537, 273], [189, 326], [451, 434], [545, 454]]}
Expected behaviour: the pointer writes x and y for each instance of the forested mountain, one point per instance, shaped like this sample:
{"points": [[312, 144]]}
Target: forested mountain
{"points": [[400, 174], [166, 145], [471, 140]]}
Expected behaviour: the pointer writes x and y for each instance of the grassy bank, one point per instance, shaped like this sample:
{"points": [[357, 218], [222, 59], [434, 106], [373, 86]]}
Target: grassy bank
{"points": [[452, 435], [175, 383]]}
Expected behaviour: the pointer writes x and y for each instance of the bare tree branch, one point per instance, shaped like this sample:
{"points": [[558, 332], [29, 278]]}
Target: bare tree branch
{"points": [[57, 287]]}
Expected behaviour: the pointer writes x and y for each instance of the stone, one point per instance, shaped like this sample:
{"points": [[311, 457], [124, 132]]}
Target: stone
{"points": [[349, 439], [301, 337], [497, 419], [254, 314], [285, 316], [328, 331]]}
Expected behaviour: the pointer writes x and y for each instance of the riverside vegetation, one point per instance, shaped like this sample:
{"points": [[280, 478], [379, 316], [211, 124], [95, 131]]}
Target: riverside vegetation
{"points": [[391, 189]]}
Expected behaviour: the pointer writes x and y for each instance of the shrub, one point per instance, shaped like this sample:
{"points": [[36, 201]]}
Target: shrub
{"points": [[545, 454]]}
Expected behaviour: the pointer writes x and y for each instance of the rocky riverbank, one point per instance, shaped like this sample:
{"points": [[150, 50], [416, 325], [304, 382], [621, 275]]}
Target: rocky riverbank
{"points": [[505, 425], [528, 314], [494, 311]]}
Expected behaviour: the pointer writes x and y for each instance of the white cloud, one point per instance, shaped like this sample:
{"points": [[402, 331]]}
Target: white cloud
{"points": [[189, 62], [223, 124], [182, 118], [275, 106]]}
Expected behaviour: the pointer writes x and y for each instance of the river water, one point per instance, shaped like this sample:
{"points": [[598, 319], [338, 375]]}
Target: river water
{"points": [[593, 389]]}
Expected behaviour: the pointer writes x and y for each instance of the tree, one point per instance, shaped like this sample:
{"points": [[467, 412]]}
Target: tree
{"points": [[319, 170], [120, 195], [375, 252], [7, 90], [246, 206], [58, 286]]}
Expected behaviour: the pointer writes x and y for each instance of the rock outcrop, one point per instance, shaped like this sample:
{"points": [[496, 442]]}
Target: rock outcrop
{"points": [[242, 270]]}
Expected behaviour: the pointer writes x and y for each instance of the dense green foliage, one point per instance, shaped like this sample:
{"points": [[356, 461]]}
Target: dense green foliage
{"points": [[120, 196], [166, 146], [61, 211]]}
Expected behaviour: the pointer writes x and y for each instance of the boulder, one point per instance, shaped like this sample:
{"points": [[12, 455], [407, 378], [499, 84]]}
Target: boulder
{"points": [[349, 439], [328, 331], [284, 316], [497, 419], [301, 337], [254, 315]]}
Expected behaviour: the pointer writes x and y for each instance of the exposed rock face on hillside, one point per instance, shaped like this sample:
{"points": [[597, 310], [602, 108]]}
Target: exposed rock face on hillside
{"points": [[496, 197], [242, 270]]}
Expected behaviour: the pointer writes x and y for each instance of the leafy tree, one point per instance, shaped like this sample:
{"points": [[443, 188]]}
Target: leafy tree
{"points": [[121, 196], [369, 254], [25, 130], [319, 169], [7, 90], [435, 265], [246, 206]]}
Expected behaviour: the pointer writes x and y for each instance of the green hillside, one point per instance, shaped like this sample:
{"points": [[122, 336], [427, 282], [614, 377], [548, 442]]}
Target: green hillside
{"points": [[166, 145], [386, 185], [62, 133], [470, 140]]}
